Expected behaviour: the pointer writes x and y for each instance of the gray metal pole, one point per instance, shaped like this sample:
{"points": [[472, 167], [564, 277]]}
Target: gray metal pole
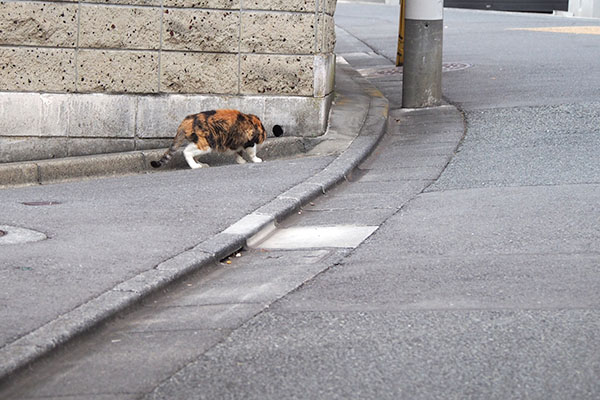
{"points": [[424, 31]]}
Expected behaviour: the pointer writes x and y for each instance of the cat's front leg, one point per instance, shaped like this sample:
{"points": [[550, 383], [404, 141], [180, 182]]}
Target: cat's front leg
{"points": [[251, 151]]}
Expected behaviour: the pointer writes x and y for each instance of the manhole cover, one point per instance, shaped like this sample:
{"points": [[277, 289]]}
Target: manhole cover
{"points": [[385, 71], [391, 71], [455, 66], [40, 203]]}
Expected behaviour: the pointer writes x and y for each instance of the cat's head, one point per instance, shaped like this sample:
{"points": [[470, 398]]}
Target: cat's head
{"points": [[259, 133]]}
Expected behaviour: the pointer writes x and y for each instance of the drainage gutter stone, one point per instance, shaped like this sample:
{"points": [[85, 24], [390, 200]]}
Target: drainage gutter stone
{"points": [[132, 162], [358, 142]]}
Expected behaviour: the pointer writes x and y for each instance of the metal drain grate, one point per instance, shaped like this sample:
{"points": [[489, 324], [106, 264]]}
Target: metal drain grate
{"points": [[40, 203]]}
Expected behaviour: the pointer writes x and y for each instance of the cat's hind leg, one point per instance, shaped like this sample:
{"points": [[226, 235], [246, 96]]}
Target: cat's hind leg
{"points": [[239, 159], [251, 151], [190, 152]]}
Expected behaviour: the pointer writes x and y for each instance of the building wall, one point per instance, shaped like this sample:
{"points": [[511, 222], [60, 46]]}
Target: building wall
{"points": [[510, 5], [585, 8], [85, 77]]}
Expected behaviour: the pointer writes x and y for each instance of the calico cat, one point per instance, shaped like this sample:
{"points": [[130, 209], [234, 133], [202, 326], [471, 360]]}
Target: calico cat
{"points": [[224, 131]]}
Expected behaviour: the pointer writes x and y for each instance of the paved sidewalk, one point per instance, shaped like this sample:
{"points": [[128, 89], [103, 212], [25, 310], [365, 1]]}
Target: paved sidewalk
{"points": [[163, 348], [110, 242], [481, 282], [485, 285]]}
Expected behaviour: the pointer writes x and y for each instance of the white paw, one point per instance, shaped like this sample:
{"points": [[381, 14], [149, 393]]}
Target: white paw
{"points": [[256, 159], [240, 160], [198, 165]]}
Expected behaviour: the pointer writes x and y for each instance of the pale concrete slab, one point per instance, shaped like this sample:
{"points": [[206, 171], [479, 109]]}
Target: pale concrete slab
{"points": [[306, 237], [16, 235]]}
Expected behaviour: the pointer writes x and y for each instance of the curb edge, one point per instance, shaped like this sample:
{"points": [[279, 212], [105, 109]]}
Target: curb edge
{"points": [[47, 338]]}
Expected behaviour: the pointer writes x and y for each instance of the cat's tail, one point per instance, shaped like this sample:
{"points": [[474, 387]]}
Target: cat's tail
{"points": [[178, 141]]}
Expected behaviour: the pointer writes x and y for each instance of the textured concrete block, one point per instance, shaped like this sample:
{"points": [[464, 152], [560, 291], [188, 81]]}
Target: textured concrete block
{"points": [[80, 167], [221, 245], [155, 3], [199, 73], [37, 69], [32, 23], [119, 27], [117, 71], [281, 5], [324, 70], [19, 149], [159, 117], [281, 147], [218, 4], [89, 146], [33, 114], [149, 144], [298, 116], [328, 6], [101, 115], [201, 30], [18, 174], [275, 74], [325, 34], [291, 33], [65, 115]]}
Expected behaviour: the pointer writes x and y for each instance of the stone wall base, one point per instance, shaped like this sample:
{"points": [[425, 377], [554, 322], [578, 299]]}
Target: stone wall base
{"points": [[36, 126]]}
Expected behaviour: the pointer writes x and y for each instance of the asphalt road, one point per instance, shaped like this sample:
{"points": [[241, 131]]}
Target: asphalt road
{"points": [[481, 281], [485, 285], [102, 232]]}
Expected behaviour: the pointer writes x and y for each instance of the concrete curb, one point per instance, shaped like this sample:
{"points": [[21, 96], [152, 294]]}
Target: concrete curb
{"points": [[133, 162], [47, 338]]}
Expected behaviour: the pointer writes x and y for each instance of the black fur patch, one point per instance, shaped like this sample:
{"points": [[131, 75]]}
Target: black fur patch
{"points": [[251, 143], [211, 141], [241, 118], [199, 122], [209, 113], [194, 137]]}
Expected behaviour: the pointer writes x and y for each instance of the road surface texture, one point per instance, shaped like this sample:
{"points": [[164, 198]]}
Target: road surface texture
{"points": [[466, 258]]}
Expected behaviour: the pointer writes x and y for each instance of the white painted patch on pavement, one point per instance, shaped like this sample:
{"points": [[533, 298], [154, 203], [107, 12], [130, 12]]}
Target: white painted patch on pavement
{"points": [[16, 235], [305, 237], [577, 30]]}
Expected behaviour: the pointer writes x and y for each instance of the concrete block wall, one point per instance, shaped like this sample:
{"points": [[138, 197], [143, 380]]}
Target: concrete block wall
{"points": [[96, 76], [585, 8]]}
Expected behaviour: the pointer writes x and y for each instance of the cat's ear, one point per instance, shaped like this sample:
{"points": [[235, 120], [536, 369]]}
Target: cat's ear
{"points": [[277, 130]]}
